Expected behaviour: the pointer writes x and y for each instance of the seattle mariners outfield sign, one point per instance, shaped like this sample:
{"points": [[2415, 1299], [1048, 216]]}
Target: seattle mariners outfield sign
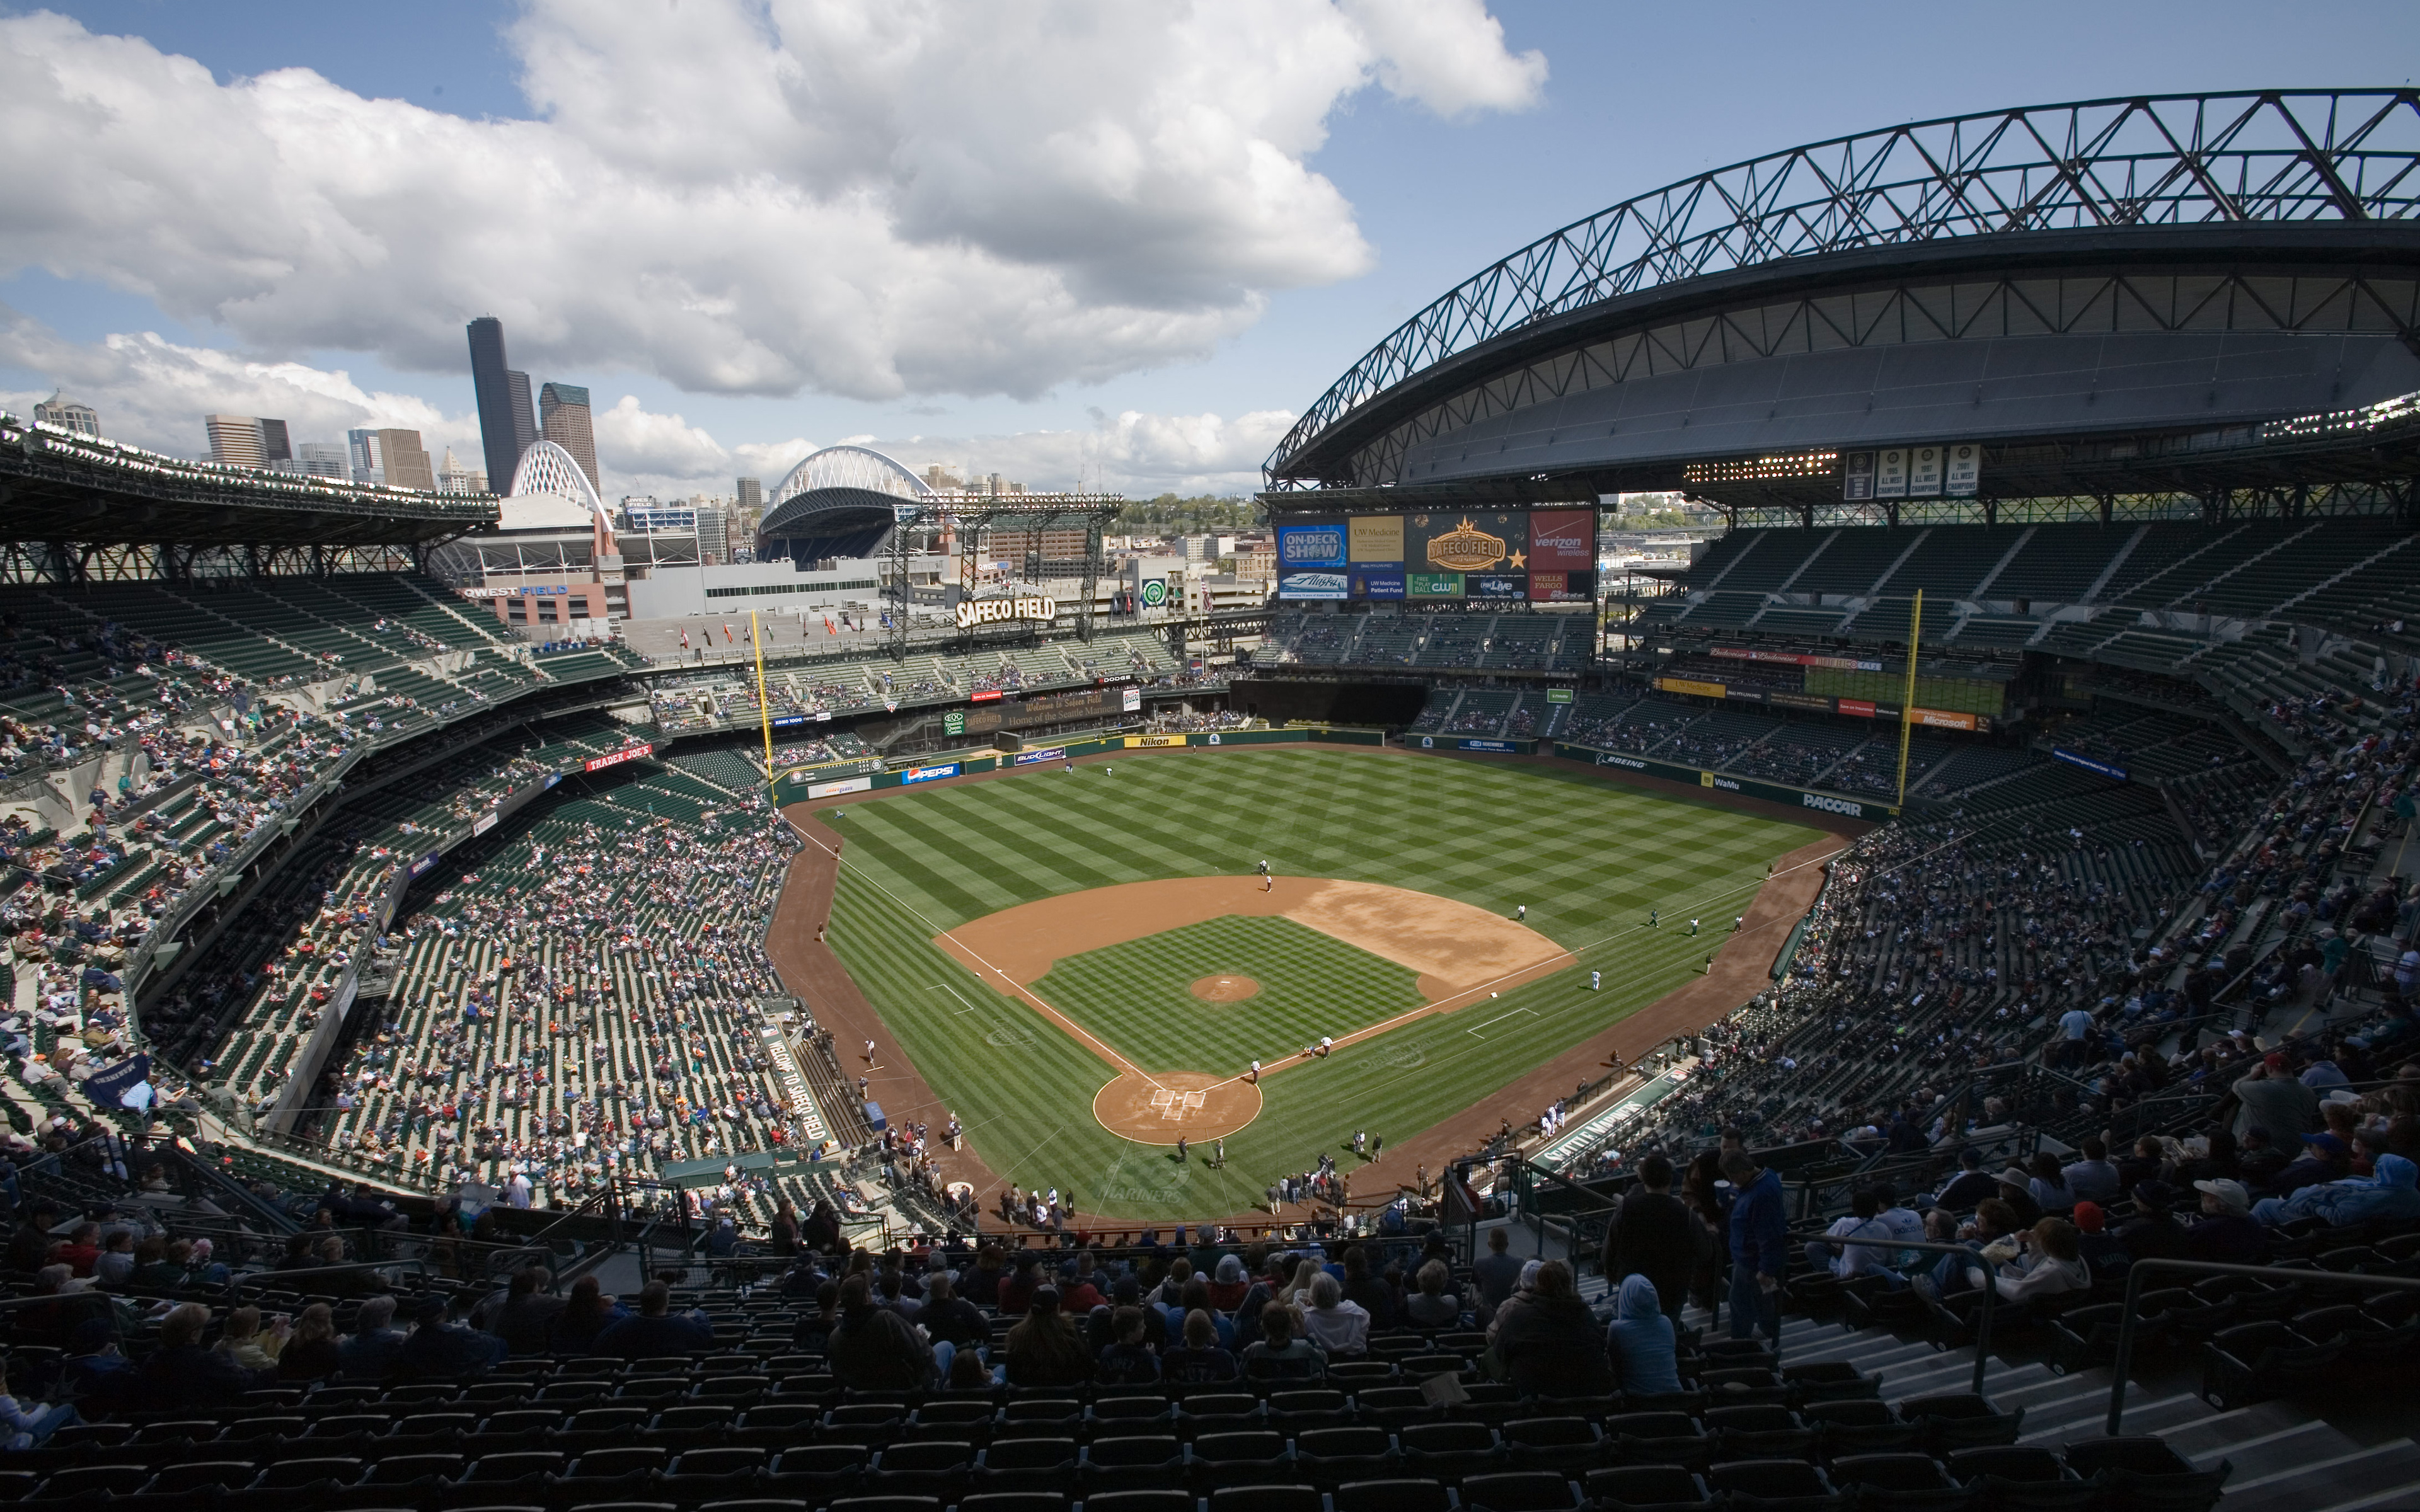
{"points": [[973, 611]]}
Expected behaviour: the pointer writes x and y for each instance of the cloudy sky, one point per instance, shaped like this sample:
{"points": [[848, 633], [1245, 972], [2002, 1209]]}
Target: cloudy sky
{"points": [[1113, 242]]}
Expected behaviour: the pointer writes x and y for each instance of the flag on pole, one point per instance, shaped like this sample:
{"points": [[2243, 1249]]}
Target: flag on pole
{"points": [[684, 638]]}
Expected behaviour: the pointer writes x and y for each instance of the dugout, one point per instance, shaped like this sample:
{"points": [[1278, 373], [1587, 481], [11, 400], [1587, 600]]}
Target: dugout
{"points": [[1353, 703]]}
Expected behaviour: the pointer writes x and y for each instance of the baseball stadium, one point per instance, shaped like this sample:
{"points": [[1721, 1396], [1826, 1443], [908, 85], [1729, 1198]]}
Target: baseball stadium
{"points": [[2003, 776]]}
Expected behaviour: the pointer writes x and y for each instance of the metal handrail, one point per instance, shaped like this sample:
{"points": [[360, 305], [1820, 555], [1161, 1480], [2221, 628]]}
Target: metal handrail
{"points": [[2135, 1272], [1929, 1246]]}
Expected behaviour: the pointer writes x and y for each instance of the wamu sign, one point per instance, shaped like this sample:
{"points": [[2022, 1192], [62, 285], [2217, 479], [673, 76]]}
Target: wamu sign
{"points": [[974, 611]]}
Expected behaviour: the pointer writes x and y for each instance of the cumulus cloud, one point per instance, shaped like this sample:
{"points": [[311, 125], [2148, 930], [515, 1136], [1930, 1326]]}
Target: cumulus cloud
{"points": [[872, 200], [154, 392], [1449, 56], [1132, 453]]}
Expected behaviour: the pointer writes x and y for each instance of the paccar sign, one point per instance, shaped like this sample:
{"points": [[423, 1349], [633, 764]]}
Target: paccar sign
{"points": [[615, 758], [974, 611]]}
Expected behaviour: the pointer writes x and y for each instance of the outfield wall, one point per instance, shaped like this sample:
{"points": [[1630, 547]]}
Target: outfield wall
{"points": [[1724, 782], [793, 787]]}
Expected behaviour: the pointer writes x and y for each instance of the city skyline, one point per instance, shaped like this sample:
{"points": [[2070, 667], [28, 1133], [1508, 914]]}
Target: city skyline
{"points": [[1156, 337]]}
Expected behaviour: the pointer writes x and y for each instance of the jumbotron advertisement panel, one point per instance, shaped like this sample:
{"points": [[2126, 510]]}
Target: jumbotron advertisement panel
{"points": [[1515, 556]]}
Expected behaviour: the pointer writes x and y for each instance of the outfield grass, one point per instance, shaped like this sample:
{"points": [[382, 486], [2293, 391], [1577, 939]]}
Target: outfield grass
{"points": [[1588, 857], [1138, 998]]}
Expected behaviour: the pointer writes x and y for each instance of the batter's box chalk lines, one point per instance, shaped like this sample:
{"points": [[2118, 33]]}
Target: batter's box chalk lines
{"points": [[1173, 1106], [1497, 1019], [945, 987]]}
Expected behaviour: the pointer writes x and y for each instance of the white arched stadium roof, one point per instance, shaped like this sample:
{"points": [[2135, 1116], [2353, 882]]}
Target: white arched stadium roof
{"points": [[550, 492], [859, 468]]}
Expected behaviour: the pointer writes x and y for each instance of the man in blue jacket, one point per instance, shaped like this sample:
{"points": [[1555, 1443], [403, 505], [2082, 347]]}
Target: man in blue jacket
{"points": [[1760, 1247]]}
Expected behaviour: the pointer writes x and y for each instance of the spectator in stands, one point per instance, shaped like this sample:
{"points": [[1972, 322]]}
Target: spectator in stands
{"points": [[1433, 1306], [29, 1245], [2017, 1191], [1373, 1294], [1494, 1273], [2091, 1179], [1990, 1231], [585, 1314], [2324, 1158], [1338, 1325], [1228, 1284], [814, 1330], [439, 1348], [1850, 1261], [368, 1353], [2095, 1245], [2049, 1264], [1971, 1185], [2273, 1099], [1654, 1234], [1200, 1360], [2226, 1233], [1760, 1247], [1046, 1348], [2048, 1184], [1281, 1353], [872, 1347], [312, 1353], [181, 1373], [947, 1318], [28, 1424], [2153, 1232], [1546, 1340], [1642, 1342], [657, 1331], [255, 1345], [528, 1313], [1126, 1360], [2390, 1196], [116, 1265], [80, 1251]]}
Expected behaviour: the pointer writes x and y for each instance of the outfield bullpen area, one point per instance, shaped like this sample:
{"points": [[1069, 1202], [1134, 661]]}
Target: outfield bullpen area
{"points": [[1083, 964]]}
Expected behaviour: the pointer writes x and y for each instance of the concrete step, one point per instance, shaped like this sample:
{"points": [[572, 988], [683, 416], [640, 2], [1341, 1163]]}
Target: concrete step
{"points": [[2308, 1443], [2380, 1477], [2221, 1432]]}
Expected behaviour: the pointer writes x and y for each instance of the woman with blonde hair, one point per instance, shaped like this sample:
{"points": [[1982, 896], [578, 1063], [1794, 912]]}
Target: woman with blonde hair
{"points": [[311, 1354], [244, 1340]]}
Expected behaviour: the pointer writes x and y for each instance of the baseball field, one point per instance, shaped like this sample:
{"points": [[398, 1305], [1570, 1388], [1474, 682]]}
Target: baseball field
{"points": [[1084, 964]]}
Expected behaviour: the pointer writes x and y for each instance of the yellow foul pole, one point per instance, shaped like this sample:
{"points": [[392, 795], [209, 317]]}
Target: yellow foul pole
{"points": [[1907, 699], [765, 710]]}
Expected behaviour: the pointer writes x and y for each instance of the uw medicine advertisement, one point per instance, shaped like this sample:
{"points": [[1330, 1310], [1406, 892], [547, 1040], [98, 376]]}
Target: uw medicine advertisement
{"points": [[1545, 556]]}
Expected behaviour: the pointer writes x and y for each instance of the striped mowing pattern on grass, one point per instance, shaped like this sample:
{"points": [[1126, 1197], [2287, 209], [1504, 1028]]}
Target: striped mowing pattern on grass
{"points": [[1588, 857], [1138, 997]]}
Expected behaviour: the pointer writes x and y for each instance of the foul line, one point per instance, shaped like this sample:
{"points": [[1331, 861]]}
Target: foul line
{"points": [[1016, 987], [1447, 1005]]}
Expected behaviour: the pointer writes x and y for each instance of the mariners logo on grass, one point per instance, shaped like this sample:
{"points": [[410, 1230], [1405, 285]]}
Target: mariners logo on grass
{"points": [[1403, 1056], [1009, 1035], [1147, 1175]]}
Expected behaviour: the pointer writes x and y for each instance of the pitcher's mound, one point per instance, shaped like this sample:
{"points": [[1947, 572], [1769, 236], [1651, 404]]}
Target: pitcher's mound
{"points": [[1154, 1110], [1225, 989]]}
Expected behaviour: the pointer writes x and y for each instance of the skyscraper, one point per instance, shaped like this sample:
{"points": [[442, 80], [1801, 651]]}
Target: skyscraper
{"points": [[325, 459], [563, 419], [64, 412], [275, 447], [405, 460], [506, 424], [236, 441], [363, 445], [751, 495]]}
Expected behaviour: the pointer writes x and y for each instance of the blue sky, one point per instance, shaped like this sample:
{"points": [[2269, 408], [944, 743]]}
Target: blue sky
{"points": [[1213, 301]]}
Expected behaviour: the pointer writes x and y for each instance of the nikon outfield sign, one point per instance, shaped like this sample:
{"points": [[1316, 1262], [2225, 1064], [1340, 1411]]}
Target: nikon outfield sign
{"points": [[1024, 606]]}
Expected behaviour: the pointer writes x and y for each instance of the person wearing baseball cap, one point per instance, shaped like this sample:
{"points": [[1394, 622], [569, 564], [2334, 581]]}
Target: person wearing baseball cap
{"points": [[2324, 1158], [2017, 1191], [2226, 1232]]}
